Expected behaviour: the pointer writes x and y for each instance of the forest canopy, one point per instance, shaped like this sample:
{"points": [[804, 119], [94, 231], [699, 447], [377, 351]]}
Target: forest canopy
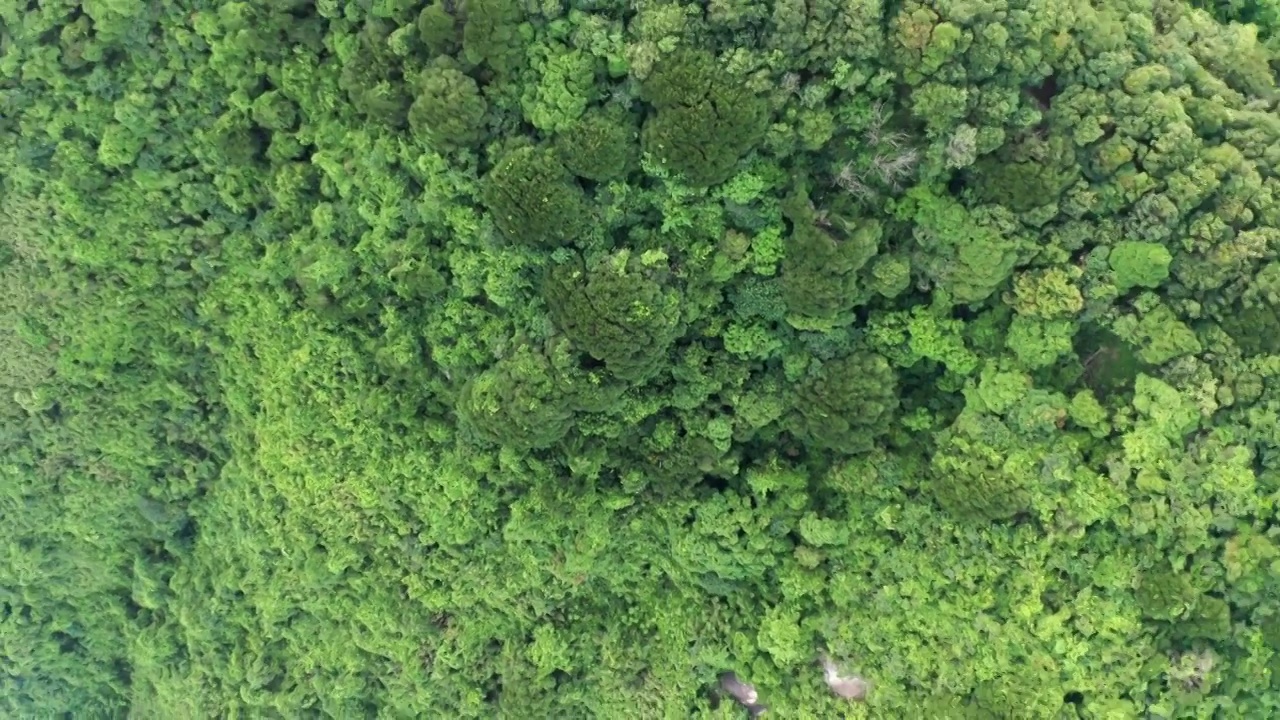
{"points": [[652, 359]]}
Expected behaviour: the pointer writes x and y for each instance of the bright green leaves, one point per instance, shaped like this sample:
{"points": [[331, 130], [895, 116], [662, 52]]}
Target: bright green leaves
{"points": [[449, 111], [618, 311], [1252, 562], [940, 106], [1039, 343], [519, 402], [784, 637], [1166, 408], [967, 253], [704, 121], [890, 275], [1159, 335], [997, 392], [1139, 264], [1086, 412], [563, 89], [1050, 294], [533, 199], [119, 146], [1043, 328], [846, 403], [274, 111], [1005, 455]]}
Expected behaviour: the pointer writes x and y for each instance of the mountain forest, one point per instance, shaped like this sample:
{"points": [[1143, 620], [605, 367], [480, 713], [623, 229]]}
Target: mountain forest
{"points": [[559, 359]]}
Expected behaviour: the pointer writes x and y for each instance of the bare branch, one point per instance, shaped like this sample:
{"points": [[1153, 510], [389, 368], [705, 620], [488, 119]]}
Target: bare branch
{"points": [[893, 168], [894, 140], [849, 181]]}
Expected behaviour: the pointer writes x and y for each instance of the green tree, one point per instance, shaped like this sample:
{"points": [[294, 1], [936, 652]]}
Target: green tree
{"points": [[599, 146], [967, 253], [449, 111], [492, 35], [372, 80], [519, 402], [438, 29], [274, 111], [820, 271], [981, 470], [565, 87]]}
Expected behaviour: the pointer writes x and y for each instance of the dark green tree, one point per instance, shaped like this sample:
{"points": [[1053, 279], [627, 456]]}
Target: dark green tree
{"points": [[981, 470], [600, 146], [1164, 594], [618, 311], [438, 29], [846, 404], [820, 271], [533, 199], [372, 81], [491, 35], [704, 121], [1026, 174]]}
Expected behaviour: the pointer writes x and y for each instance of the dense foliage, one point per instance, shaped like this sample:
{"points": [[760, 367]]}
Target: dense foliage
{"points": [[556, 360]]}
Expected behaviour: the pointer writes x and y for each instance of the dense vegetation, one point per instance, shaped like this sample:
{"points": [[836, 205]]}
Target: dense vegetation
{"points": [[493, 358]]}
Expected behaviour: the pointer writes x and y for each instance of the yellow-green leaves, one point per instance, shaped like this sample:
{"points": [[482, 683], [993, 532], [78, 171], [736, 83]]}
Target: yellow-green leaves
{"points": [[1139, 264]]}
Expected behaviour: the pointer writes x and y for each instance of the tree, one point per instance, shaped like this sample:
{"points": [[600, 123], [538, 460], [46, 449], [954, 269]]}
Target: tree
{"points": [[491, 35], [1048, 294], [981, 471], [820, 272], [600, 146], [1027, 174], [533, 199], [1139, 264], [449, 112], [965, 252], [372, 81], [703, 122], [274, 111], [617, 311], [846, 403], [438, 29], [519, 402], [565, 87]]}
